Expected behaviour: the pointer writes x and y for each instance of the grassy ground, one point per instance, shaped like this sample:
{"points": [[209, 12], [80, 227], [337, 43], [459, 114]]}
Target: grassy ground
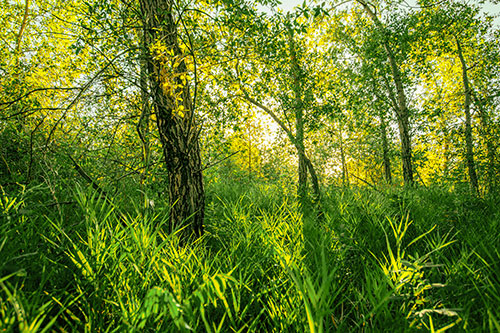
{"points": [[393, 260]]}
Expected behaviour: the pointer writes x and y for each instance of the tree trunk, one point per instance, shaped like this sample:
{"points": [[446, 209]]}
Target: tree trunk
{"points": [[385, 148], [302, 185], [175, 117], [315, 184], [406, 154], [142, 126], [21, 31], [487, 138], [295, 74], [469, 153], [446, 150], [402, 115], [249, 153], [304, 163], [345, 174]]}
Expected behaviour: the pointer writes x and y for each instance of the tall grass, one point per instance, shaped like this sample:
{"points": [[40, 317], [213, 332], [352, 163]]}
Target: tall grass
{"points": [[424, 259]]}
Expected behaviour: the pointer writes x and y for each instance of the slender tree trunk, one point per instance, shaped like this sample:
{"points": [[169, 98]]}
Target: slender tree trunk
{"points": [[402, 113], [314, 182], [446, 135], [302, 185], [487, 138], [21, 31], [249, 154], [304, 163], [345, 174], [300, 149], [403, 119], [144, 119], [385, 148], [295, 73], [446, 150], [469, 153], [175, 117]]}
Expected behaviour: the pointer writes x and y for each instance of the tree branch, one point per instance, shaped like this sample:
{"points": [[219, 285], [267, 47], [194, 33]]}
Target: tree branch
{"points": [[269, 112]]}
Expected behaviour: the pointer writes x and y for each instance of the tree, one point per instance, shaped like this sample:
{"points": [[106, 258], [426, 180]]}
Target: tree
{"points": [[453, 34], [358, 86], [469, 154], [168, 66], [282, 62], [400, 102]]}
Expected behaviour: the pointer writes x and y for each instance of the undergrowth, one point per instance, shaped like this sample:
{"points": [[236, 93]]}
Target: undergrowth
{"points": [[394, 260]]}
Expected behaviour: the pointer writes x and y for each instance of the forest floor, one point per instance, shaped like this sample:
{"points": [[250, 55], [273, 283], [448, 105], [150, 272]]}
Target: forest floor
{"points": [[390, 260]]}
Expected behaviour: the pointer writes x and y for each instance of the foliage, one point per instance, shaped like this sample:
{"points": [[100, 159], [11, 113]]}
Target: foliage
{"points": [[84, 190], [379, 261]]}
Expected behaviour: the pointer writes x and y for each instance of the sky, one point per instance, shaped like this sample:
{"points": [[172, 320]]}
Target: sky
{"points": [[288, 5]]}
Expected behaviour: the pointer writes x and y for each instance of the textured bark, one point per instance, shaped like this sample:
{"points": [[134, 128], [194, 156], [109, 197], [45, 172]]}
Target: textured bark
{"points": [[401, 107], [469, 152], [178, 133]]}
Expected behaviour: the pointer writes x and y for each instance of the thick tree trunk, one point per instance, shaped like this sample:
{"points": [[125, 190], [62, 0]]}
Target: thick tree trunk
{"points": [[401, 106], [385, 148], [469, 153], [175, 117]]}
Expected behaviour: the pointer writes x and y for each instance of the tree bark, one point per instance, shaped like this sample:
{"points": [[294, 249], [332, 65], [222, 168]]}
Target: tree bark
{"points": [[469, 152], [175, 117]]}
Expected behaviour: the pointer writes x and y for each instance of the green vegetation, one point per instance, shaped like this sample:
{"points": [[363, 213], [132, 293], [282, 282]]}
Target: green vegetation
{"points": [[388, 260], [225, 166]]}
